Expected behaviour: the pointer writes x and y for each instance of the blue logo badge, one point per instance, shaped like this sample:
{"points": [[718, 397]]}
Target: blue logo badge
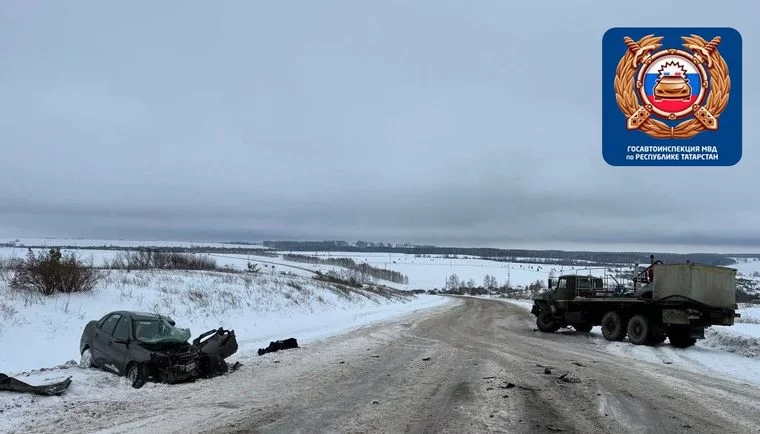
{"points": [[671, 96]]}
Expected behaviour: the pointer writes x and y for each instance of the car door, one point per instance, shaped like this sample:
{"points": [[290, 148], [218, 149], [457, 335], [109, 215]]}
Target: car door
{"points": [[100, 341], [117, 347]]}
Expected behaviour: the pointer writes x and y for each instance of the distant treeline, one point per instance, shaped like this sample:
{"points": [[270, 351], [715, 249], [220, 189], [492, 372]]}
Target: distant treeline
{"points": [[173, 249], [378, 273], [559, 257], [549, 257]]}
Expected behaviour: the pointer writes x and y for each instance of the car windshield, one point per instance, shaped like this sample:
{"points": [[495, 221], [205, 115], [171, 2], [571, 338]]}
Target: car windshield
{"points": [[159, 331]]}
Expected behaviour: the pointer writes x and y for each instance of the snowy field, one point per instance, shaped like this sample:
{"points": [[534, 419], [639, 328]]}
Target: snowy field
{"points": [[423, 273], [431, 272], [747, 267]]}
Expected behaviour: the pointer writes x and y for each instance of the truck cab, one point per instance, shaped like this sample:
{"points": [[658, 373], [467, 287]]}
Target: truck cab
{"points": [[570, 286], [555, 307]]}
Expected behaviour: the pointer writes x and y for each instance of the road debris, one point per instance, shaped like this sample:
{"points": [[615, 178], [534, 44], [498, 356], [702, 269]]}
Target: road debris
{"points": [[564, 377], [526, 388], [13, 385], [285, 344]]}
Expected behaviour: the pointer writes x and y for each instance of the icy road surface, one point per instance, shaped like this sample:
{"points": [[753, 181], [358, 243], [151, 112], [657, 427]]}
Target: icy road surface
{"points": [[471, 366]]}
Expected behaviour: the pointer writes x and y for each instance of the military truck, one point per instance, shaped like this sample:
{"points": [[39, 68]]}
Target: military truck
{"points": [[673, 301]]}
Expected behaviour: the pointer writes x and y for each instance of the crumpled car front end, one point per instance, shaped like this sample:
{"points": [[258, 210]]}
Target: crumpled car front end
{"points": [[173, 359], [174, 366]]}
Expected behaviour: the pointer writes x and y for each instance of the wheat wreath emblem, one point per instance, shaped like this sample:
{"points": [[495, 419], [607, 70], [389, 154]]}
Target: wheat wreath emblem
{"points": [[702, 53]]}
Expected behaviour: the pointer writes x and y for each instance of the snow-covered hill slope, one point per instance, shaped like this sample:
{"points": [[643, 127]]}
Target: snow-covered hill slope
{"points": [[38, 332]]}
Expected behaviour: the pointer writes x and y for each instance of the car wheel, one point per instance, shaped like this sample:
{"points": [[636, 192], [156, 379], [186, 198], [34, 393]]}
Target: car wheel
{"points": [[86, 360], [613, 327], [638, 330], [136, 375]]}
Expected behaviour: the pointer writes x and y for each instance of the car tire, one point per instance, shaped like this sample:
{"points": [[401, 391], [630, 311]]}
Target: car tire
{"points": [[638, 330], [546, 323], [86, 361], [613, 326], [137, 375]]}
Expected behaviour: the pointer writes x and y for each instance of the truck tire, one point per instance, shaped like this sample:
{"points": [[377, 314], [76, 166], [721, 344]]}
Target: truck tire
{"points": [[613, 326], [679, 338], [546, 323], [638, 330], [583, 327]]}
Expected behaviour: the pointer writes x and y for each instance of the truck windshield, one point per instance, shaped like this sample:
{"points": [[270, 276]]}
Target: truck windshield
{"points": [[590, 284]]}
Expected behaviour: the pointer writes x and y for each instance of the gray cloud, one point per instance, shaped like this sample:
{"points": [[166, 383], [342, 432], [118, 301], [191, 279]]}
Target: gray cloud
{"points": [[445, 122]]}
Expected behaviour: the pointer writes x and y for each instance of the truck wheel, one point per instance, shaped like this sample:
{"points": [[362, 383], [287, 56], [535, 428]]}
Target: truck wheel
{"points": [[546, 323], [680, 338], [613, 327], [583, 327], [638, 330]]}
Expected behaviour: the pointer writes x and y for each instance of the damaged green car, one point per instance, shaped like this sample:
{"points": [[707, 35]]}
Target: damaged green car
{"points": [[146, 346]]}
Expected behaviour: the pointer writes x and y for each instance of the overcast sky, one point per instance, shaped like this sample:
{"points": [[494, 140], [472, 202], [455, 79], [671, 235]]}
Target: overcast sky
{"points": [[452, 123]]}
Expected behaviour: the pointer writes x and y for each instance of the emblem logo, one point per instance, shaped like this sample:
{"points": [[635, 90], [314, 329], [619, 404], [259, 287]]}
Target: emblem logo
{"points": [[668, 97], [672, 84]]}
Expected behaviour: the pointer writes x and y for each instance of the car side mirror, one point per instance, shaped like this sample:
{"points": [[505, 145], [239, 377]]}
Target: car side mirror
{"points": [[551, 282]]}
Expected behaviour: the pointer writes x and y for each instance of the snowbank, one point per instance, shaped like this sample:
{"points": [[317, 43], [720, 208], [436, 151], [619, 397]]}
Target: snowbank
{"points": [[741, 339]]}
